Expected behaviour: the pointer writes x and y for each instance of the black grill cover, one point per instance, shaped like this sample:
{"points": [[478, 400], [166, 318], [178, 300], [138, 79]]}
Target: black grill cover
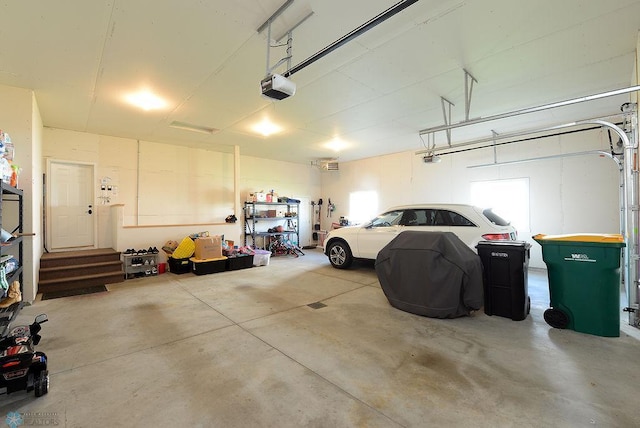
{"points": [[433, 274]]}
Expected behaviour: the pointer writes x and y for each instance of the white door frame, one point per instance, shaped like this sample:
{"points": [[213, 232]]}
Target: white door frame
{"points": [[47, 207]]}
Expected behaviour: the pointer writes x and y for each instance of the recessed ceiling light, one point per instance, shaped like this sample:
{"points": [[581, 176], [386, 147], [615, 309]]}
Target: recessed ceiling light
{"points": [[336, 144], [146, 100], [266, 128], [191, 127]]}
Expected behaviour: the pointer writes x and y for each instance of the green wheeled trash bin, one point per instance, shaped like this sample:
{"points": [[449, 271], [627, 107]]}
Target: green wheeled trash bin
{"points": [[584, 282]]}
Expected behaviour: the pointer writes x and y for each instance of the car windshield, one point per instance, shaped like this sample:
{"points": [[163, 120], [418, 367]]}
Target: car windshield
{"points": [[495, 218], [391, 218]]}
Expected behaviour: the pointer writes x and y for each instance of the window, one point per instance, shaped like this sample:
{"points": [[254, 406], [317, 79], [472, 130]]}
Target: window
{"points": [[456, 219], [409, 218], [391, 218], [495, 218], [363, 206], [439, 219], [508, 198]]}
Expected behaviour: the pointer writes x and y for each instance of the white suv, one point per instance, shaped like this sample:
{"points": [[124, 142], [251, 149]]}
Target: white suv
{"points": [[470, 224]]}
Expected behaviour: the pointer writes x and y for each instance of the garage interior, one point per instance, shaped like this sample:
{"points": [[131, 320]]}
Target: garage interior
{"points": [[519, 104]]}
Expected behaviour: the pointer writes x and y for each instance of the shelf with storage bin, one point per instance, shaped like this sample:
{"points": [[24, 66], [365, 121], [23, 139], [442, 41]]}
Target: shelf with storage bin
{"points": [[12, 247], [140, 265], [267, 216]]}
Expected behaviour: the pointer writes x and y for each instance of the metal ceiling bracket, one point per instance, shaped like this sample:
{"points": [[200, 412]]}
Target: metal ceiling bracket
{"points": [[289, 49], [446, 112], [495, 149], [286, 59], [289, 44], [307, 16], [469, 80], [276, 14]]}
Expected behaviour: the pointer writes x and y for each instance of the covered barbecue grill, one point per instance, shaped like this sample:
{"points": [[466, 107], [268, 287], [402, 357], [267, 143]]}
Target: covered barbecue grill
{"points": [[431, 273]]}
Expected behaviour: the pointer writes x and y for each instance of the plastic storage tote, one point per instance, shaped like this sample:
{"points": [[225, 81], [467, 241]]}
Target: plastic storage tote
{"points": [[584, 282], [261, 258], [505, 278]]}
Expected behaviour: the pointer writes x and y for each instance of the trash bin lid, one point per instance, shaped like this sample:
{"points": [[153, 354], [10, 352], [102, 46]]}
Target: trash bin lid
{"points": [[594, 238], [498, 243]]}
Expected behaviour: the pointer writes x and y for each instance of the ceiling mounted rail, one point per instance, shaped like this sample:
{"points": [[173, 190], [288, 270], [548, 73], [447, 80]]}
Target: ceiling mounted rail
{"points": [[600, 153], [449, 127], [393, 10], [495, 136]]}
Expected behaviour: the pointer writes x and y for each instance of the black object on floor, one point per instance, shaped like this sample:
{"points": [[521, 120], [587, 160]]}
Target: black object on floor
{"points": [[433, 274], [505, 278], [75, 292]]}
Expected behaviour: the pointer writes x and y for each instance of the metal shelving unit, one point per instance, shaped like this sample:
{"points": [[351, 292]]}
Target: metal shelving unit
{"points": [[257, 215], [13, 247]]}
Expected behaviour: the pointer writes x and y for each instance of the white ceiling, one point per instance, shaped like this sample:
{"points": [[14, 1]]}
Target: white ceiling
{"points": [[375, 93]]}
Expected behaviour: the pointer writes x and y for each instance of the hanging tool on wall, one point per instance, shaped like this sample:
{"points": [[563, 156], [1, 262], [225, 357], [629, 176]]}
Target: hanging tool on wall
{"points": [[330, 208], [314, 235], [317, 226]]}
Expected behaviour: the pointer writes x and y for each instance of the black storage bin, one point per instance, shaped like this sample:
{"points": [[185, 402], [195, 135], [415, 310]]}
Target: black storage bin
{"points": [[240, 261], [179, 266], [207, 266], [505, 278]]}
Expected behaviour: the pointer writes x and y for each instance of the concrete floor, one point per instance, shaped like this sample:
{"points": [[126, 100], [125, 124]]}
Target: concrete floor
{"points": [[243, 349]]}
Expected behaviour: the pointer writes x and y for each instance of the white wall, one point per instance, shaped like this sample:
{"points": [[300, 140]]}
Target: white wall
{"points": [[33, 202], [116, 158], [568, 195], [286, 179]]}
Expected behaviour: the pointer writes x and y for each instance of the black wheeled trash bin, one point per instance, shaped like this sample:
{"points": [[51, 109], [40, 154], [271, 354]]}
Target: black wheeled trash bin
{"points": [[505, 278]]}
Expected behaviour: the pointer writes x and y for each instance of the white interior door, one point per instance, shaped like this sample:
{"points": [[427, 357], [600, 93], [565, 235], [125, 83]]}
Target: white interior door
{"points": [[71, 207], [304, 222]]}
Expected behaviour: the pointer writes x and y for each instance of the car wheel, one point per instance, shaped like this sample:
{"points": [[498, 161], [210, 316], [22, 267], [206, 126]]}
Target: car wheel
{"points": [[41, 384], [340, 255]]}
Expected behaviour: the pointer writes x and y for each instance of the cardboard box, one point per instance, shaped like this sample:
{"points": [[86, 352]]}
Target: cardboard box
{"points": [[209, 247], [169, 247], [271, 213]]}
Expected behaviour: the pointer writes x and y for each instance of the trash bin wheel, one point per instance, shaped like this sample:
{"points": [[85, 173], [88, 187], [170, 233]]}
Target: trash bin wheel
{"points": [[556, 318]]}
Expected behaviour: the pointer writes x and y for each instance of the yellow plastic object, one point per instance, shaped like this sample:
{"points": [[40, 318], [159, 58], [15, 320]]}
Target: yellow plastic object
{"points": [[185, 249], [217, 259], [582, 237]]}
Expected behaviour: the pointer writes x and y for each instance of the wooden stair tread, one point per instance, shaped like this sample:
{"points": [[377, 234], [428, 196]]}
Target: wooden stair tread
{"points": [[79, 253], [81, 278], [81, 266]]}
